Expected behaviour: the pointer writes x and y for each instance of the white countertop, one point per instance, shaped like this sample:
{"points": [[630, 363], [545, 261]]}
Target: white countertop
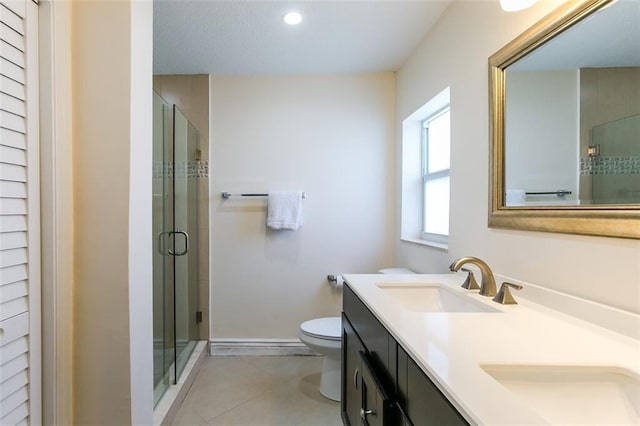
{"points": [[450, 347]]}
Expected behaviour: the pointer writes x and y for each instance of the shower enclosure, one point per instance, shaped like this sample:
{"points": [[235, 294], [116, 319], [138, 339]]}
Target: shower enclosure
{"points": [[175, 257], [615, 169]]}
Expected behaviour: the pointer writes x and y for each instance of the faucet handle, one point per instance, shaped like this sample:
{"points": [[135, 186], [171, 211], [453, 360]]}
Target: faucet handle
{"points": [[504, 296], [470, 283]]}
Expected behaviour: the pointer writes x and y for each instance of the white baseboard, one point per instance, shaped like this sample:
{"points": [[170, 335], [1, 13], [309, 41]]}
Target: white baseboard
{"points": [[258, 347]]}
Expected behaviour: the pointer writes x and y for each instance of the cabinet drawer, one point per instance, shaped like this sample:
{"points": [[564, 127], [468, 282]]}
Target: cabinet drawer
{"points": [[380, 345]]}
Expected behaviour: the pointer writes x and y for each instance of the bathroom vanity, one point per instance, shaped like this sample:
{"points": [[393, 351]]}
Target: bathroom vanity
{"points": [[420, 350], [381, 384]]}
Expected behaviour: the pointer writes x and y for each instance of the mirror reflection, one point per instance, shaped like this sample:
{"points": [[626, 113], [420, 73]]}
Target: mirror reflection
{"points": [[572, 115]]}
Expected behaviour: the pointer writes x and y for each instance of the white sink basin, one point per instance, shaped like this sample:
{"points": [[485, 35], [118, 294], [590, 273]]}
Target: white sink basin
{"points": [[421, 297], [574, 395]]}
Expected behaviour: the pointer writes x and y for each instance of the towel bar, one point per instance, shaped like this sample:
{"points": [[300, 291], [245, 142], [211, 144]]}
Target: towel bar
{"points": [[559, 193], [226, 195]]}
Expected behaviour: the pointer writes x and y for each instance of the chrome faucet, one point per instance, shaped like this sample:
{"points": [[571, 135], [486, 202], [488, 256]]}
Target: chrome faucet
{"points": [[488, 284]]}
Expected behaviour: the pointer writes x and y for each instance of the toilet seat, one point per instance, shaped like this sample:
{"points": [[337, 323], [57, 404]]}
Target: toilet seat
{"points": [[329, 328]]}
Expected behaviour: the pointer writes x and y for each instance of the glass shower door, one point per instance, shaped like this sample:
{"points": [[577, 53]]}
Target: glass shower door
{"points": [[175, 256], [185, 239], [163, 265]]}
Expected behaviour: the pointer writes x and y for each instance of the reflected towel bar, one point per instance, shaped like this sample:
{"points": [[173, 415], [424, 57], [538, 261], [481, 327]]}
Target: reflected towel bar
{"points": [[559, 193], [226, 195]]}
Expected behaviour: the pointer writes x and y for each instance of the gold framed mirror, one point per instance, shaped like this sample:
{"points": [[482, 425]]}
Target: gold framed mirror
{"points": [[565, 142]]}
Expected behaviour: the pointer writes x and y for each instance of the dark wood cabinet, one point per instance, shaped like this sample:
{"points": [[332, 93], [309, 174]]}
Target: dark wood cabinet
{"points": [[379, 344], [377, 406], [423, 402], [351, 396], [381, 384], [365, 399]]}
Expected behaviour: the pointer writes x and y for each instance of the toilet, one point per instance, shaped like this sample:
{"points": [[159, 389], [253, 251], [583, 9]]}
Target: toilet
{"points": [[324, 336], [396, 271]]}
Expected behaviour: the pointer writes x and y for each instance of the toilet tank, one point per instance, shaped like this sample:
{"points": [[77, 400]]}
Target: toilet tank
{"points": [[396, 271]]}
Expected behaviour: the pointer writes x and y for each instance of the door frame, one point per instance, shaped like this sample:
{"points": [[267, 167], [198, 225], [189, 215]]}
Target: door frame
{"points": [[56, 165]]}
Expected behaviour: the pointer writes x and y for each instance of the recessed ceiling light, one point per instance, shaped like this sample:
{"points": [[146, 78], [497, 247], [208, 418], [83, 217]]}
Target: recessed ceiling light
{"points": [[292, 18]]}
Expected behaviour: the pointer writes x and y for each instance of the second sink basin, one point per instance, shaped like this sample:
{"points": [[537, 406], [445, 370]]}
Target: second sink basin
{"points": [[419, 297], [584, 395]]}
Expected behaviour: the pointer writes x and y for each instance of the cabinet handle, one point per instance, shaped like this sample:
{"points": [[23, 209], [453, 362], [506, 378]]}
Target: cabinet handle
{"points": [[355, 378], [364, 413]]}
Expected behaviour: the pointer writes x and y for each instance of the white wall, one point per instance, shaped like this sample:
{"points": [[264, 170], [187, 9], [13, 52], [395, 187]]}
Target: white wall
{"points": [[111, 116], [140, 212], [606, 270], [541, 133], [331, 136]]}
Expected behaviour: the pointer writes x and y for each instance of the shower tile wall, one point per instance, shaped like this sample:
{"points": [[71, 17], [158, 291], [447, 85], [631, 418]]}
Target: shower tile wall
{"points": [[191, 94], [606, 95]]}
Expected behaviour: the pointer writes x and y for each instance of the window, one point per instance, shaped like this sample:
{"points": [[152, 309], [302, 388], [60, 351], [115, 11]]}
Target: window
{"points": [[425, 173], [436, 147]]}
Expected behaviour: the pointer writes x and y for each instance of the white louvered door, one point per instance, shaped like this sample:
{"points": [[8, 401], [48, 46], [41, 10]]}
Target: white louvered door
{"points": [[20, 358]]}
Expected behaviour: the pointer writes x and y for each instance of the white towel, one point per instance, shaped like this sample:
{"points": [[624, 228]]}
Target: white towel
{"points": [[284, 210], [515, 197]]}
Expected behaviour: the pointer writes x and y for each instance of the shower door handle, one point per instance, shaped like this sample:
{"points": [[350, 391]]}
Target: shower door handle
{"points": [[186, 244], [161, 248]]}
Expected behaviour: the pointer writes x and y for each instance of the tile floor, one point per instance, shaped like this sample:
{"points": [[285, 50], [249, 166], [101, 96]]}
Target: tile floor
{"points": [[258, 391]]}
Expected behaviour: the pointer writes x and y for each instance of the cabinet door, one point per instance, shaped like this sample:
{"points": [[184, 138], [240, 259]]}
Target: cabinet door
{"points": [[374, 337], [351, 390], [377, 409], [402, 380], [403, 420], [426, 405]]}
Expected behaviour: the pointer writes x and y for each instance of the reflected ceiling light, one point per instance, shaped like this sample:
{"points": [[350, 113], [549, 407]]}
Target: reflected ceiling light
{"points": [[292, 18], [516, 5]]}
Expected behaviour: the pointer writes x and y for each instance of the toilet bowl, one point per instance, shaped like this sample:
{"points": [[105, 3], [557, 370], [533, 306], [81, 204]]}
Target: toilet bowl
{"points": [[323, 335]]}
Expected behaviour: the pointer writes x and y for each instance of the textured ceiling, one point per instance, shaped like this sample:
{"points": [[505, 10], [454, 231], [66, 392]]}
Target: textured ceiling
{"points": [[248, 37]]}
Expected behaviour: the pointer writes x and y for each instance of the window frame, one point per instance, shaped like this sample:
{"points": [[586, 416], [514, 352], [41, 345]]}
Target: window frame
{"points": [[430, 176]]}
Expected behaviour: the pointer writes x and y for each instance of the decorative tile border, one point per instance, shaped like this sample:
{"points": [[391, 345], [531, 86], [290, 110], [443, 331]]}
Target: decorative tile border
{"points": [[610, 165], [189, 170]]}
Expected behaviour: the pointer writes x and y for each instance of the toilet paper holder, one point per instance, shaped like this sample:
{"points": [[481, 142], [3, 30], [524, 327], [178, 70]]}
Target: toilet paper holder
{"points": [[335, 280]]}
